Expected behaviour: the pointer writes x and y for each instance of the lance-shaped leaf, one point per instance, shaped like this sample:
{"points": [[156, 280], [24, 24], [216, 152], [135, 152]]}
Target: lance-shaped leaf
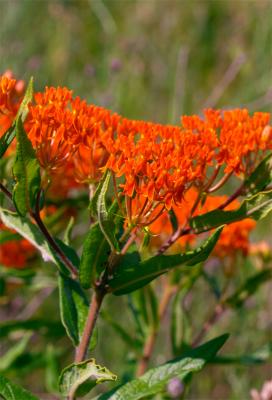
{"points": [[8, 136], [131, 277], [26, 171], [146, 304], [23, 109], [11, 391], [6, 139], [51, 369], [251, 285], [73, 308], [79, 379], [155, 380], [45, 327], [260, 177], [14, 352], [132, 341], [105, 218], [259, 356], [96, 250], [179, 325], [7, 236], [30, 232], [94, 199], [256, 207]]}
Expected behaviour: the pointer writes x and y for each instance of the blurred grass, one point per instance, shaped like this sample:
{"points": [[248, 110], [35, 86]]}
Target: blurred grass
{"points": [[155, 60], [147, 59]]}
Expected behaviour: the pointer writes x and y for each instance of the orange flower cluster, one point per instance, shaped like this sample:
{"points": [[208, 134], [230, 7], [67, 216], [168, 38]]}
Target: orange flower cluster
{"points": [[242, 139], [153, 165], [159, 162], [15, 253], [11, 93], [234, 238], [240, 136], [67, 133]]}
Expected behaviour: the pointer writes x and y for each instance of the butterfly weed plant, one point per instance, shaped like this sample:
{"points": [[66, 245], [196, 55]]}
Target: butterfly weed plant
{"points": [[160, 203]]}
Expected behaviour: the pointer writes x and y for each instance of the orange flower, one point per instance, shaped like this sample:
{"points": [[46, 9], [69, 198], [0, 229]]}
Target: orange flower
{"points": [[64, 130], [15, 253], [158, 162], [50, 127], [241, 137], [62, 182], [11, 94], [91, 124], [234, 238], [243, 140], [152, 163]]}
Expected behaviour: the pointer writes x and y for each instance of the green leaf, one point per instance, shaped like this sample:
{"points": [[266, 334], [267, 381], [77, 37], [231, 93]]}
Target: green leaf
{"points": [[179, 327], [69, 252], [26, 171], [126, 336], [173, 220], [260, 177], [256, 207], [7, 236], [30, 232], [145, 301], [95, 253], [68, 231], [259, 356], [11, 391], [52, 370], [251, 285], [132, 277], [14, 352], [155, 379], [73, 308], [23, 109], [8, 136], [6, 139], [74, 376], [43, 326], [106, 219], [94, 199]]}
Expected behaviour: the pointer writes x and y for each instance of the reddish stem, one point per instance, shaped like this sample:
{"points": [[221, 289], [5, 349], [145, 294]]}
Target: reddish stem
{"points": [[95, 306], [219, 184]]}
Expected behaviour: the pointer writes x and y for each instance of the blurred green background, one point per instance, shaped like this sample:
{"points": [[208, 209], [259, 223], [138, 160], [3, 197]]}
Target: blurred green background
{"points": [[155, 60], [147, 59]]}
